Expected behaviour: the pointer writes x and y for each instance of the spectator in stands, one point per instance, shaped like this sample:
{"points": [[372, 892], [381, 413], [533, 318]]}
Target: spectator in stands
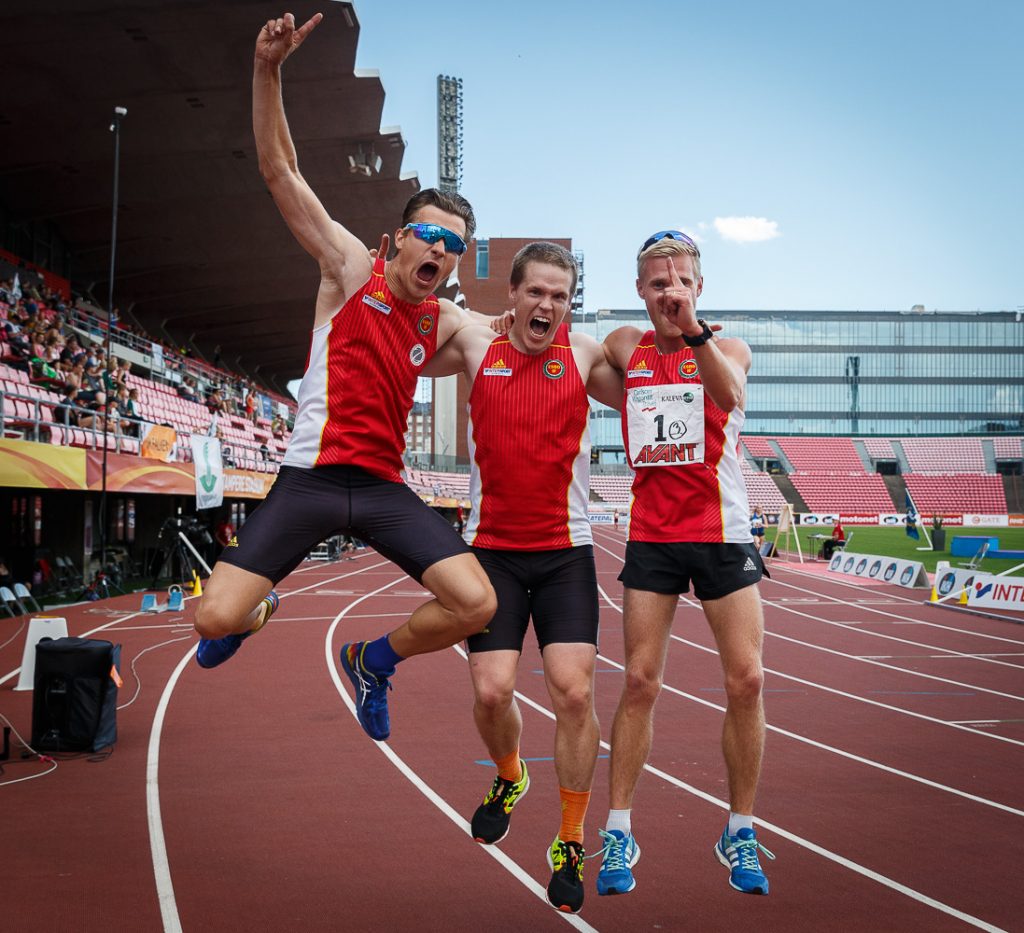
{"points": [[360, 491], [65, 412], [757, 526], [250, 404], [215, 402], [690, 524], [277, 426], [838, 539], [128, 407], [187, 389]]}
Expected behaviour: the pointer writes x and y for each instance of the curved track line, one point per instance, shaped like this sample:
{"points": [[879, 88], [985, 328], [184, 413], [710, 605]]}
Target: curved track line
{"points": [[511, 866], [821, 745], [785, 834], [157, 844], [863, 660]]}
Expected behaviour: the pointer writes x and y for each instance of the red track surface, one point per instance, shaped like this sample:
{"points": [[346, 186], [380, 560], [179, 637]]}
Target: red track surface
{"points": [[890, 794]]}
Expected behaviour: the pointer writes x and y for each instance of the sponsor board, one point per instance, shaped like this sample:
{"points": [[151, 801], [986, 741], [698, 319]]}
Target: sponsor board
{"points": [[997, 593], [601, 518], [858, 519], [908, 573], [1016, 521], [951, 582], [816, 518], [986, 521]]}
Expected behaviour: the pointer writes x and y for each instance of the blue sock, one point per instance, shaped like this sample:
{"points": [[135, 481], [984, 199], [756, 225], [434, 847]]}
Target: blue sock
{"points": [[379, 657]]}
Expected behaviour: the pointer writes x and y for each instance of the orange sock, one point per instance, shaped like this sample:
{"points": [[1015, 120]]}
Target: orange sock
{"points": [[509, 768], [574, 809]]}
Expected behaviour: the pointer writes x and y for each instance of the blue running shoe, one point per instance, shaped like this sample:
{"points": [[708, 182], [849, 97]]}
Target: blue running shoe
{"points": [[215, 651], [371, 692], [619, 855], [739, 854]]}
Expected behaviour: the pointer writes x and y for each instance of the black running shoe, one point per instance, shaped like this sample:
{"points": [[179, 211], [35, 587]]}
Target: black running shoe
{"points": [[565, 889], [490, 822]]}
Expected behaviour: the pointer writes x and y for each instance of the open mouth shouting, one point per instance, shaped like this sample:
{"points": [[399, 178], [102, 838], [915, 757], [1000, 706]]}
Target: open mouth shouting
{"points": [[539, 326], [427, 273]]}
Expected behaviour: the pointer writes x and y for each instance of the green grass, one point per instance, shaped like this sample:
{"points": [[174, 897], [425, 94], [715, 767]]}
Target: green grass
{"points": [[893, 542]]}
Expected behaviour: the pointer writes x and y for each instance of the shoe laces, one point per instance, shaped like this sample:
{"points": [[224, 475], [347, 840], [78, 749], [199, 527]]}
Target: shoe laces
{"points": [[614, 852], [746, 852], [571, 856]]}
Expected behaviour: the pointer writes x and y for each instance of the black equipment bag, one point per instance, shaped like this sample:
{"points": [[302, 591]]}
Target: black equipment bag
{"points": [[74, 707]]}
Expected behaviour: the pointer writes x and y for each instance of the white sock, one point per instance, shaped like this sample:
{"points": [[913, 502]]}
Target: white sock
{"points": [[619, 820], [738, 821]]}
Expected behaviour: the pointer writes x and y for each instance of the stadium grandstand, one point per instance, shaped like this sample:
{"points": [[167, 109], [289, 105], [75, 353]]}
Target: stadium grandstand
{"points": [[846, 411]]}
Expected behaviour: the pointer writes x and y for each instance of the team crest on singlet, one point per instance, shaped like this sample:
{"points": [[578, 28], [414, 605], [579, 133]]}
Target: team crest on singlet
{"points": [[688, 369], [554, 369], [417, 355], [642, 371], [498, 369], [376, 300], [425, 324]]}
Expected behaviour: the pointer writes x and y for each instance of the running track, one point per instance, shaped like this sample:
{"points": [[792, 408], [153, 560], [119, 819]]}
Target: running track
{"points": [[248, 798]]}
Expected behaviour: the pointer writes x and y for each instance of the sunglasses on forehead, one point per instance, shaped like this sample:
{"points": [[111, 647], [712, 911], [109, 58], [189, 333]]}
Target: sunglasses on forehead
{"points": [[668, 235], [431, 233]]}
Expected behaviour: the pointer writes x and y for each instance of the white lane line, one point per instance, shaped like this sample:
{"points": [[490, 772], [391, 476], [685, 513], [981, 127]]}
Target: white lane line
{"points": [[510, 865], [107, 625], [785, 834], [870, 762], [900, 599], [850, 657], [157, 843], [856, 602]]}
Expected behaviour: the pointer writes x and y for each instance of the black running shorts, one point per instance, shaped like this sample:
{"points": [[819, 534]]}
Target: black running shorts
{"points": [[557, 588], [305, 506], [715, 569]]}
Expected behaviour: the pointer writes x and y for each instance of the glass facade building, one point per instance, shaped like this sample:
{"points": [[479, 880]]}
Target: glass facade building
{"points": [[862, 373]]}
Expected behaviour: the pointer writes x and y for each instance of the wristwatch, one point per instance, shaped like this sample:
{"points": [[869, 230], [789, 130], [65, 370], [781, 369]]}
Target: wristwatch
{"points": [[702, 338]]}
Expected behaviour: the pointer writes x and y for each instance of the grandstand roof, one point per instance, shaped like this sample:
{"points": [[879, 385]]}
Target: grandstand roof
{"points": [[202, 253]]}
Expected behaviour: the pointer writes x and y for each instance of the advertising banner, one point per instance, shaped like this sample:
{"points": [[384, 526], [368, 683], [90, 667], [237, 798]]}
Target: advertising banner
{"points": [[986, 521], [908, 573], [952, 581], [26, 464], [997, 593], [816, 518], [601, 518], [209, 468]]}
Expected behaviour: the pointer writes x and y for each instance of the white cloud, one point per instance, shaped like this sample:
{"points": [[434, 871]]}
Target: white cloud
{"points": [[747, 229]]}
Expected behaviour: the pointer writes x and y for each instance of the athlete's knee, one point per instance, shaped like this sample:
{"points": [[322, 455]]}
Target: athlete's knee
{"points": [[474, 606], [642, 687], [574, 701], [215, 618], [494, 698], [744, 686]]}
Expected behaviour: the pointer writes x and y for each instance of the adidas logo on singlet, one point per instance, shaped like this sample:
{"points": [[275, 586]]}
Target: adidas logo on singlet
{"points": [[641, 371], [749, 565], [498, 369], [376, 301]]}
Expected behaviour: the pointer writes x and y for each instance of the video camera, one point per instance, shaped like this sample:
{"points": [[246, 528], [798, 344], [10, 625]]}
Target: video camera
{"points": [[191, 525]]}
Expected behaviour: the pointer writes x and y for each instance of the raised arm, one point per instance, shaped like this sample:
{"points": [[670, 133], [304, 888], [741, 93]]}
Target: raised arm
{"points": [[344, 261]]}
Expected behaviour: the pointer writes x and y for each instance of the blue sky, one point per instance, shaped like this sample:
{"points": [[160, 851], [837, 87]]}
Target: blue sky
{"points": [[859, 155]]}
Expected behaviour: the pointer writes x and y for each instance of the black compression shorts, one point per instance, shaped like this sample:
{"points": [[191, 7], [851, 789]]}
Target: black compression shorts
{"points": [[305, 506], [557, 588], [715, 569]]}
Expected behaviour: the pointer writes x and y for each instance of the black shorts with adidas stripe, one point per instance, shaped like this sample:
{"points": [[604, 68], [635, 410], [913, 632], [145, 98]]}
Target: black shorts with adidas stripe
{"points": [[715, 569]]}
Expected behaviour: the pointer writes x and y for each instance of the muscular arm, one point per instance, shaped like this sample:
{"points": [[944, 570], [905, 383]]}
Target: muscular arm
{"points": [[460, 353], [344, 261], [724, 364], [452, 319]]}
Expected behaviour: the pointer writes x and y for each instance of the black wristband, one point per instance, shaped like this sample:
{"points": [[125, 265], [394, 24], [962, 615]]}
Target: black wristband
{"points": [[700, 340]]}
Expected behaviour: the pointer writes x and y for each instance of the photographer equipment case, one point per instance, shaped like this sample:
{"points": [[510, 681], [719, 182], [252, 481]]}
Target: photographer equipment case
{"points": [[74, 707]]}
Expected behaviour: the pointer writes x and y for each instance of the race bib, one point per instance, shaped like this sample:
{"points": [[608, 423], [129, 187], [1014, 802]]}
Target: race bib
{"points": [[666, 425]]}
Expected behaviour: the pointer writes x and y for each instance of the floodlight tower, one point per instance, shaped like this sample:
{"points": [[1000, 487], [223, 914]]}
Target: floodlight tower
{"points": [[449, 133]]}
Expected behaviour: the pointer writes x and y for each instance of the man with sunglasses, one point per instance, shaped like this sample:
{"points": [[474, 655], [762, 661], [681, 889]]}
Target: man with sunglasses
{"points": [[689, 521], [530, 445], [377, 324]]}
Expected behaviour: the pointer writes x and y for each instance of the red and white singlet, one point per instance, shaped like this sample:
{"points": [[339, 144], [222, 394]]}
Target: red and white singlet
{"points": [[688, 485], [360, 379], [529, 443]]}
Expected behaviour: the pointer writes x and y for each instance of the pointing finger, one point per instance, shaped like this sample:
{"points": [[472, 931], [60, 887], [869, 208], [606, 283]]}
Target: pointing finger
{"points": [[308, 27], [385, 245]]}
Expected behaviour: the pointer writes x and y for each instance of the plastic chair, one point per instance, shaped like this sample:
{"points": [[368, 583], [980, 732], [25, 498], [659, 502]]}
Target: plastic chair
{"points": [[26, 598], [10, 602]]}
